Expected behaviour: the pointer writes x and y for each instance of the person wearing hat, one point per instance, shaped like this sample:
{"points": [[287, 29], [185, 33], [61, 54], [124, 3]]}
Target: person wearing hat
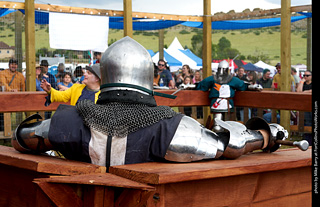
{"points": [[39, 76], [11, 79], [89, 89], [276, 82], [265, 80], [48, 76]]}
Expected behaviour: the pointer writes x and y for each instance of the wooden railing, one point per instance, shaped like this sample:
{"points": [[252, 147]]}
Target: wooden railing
{"points": [[34, 101]]}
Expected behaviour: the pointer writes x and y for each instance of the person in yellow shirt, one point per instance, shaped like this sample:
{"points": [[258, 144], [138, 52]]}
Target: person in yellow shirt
{"points": [[89, 89], [276, 82], [11, 79]]}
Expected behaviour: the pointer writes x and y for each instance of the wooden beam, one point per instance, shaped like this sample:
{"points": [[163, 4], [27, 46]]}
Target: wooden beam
{"points": [[258, 13], [127, 18], [30, 45], [309, 44], [256, 162], [18, 39], [285, 53], [111, 12], [46, 164], [206, 48], [107, 12], [161, 43], [34, 101]]}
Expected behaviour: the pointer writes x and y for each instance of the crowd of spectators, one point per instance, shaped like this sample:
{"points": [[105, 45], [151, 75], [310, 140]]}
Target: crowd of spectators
{"points": [[84, 83]]}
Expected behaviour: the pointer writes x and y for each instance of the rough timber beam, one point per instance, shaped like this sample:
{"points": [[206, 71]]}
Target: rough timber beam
{"points": [[110, 12]]}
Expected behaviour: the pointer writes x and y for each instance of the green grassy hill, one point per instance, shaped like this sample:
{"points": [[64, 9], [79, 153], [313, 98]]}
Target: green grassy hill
{"points": [[248, 42]]}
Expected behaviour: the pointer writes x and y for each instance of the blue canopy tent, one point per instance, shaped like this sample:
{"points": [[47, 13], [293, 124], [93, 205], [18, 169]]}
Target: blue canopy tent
{"points": [[168, 58], [42, 17], [151, 53], [188, 53], [252, 67]]}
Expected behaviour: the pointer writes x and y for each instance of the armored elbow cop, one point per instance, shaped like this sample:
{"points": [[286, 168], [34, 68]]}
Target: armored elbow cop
{"points": [[193, 142]]}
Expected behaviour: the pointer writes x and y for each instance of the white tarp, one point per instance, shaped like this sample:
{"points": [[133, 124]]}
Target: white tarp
{"points": [[78, 32], [264, 65], [174, 51]]}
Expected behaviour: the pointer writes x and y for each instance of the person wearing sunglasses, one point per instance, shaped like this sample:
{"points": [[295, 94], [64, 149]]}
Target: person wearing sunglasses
{"points": [[305, 85], [165, 75]]}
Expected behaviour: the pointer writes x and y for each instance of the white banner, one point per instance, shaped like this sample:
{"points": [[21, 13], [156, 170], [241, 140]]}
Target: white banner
{"points": [[78, 32]]}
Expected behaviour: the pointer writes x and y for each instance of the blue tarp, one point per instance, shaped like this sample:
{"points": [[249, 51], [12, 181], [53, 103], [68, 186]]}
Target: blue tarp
{"points": [[171, 60], [252, 67], [4, 12], [117, 22], [151, 53], [192, 56]]}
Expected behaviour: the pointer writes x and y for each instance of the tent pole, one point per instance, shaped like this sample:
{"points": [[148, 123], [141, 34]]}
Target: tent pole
{"points": [[206, 48], [127, 18], [285, 58]]}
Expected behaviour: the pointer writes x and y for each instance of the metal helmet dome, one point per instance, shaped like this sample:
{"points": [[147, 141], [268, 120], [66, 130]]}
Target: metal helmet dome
{"points": [[126, 63]]}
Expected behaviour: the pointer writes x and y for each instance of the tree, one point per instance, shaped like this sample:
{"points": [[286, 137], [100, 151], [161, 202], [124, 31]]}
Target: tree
{"points": [[196, 42], [224, 43]]}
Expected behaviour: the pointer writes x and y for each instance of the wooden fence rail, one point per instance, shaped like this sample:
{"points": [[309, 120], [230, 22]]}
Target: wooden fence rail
{"points": [[34, 101]]}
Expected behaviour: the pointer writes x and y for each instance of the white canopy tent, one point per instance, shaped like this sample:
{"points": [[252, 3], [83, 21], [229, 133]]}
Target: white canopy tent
{"points": [[175, 50], [264, 65]]}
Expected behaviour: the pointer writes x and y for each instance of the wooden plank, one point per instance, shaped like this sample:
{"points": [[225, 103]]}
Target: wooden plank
{"points": [[30, 45], [127, 18], [161, 173], [281, 183], [17, 188], [296, 200], [133, 198], [258, 13], [46, 164], [274, 100], [106, 12], [240, 190], [34, 101], [60, 194], [97, 179], [7, 131]]}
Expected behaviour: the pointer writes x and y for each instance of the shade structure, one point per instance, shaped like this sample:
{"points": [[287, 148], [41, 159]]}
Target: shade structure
{"points": [[252, 67], [264, 65]]}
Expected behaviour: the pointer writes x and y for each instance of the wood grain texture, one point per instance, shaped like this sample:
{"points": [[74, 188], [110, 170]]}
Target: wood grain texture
{"points": [[161, 173], [46, 164], [34, 101], [97, 179]]}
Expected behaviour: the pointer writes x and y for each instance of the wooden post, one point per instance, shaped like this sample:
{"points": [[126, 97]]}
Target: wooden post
{"points": [[285, 57], [309, 44], [206, 48], [127, 18], [30, 45], [18, 39], [161, 43]]}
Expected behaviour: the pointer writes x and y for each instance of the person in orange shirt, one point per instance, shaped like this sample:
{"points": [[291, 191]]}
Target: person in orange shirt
{"points": [[11, 79]]}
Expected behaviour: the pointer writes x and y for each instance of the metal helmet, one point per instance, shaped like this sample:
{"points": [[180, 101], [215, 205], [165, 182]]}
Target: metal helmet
{"points": [[126, 65], [223, 74]]}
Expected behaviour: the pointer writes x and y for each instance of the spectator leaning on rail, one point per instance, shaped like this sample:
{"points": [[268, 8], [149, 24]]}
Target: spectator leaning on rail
{"points": [[89, 89], [11, 79]]}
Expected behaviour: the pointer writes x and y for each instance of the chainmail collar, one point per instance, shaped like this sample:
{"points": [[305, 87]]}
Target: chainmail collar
{"points": [[120, 119]]}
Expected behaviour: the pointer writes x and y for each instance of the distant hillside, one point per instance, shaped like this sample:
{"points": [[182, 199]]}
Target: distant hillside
{"points": [[248, 42]]}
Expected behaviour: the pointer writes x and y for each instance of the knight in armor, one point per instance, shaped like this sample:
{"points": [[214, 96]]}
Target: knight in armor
{"points": [[222, 88], [126, 126]]}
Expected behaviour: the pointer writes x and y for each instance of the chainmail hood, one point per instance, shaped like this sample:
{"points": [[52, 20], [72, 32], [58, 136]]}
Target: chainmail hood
{"points": [[120, 119]]}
